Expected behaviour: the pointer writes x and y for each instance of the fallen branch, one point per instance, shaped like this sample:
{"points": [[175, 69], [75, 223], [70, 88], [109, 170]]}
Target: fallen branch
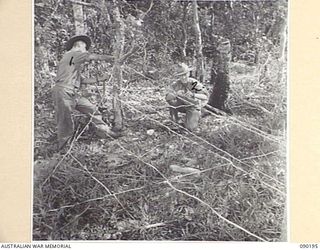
{"points": [[153, 225]]}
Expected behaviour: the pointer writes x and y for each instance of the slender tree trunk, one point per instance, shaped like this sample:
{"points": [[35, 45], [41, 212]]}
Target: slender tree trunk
{"points": [[282, 52], [221, 87], [106, 30], [184, 30], [257, 34], [212, 57], [199, 56], [79, 19], [282, 56], [283, 41], [118, 47]]}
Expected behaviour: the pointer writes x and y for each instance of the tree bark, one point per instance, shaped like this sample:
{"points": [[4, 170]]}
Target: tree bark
{"points": [[118, 47], [78, 19], [220, 77], [282, 56], [282, 44], [184, 32], [199, 55]]}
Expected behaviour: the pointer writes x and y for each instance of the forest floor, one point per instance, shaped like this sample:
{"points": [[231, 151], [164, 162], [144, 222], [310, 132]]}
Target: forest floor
{"points": [[158, 181]]}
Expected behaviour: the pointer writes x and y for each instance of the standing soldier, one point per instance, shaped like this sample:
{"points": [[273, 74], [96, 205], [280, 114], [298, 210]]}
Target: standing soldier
{"points": [[65, 92], [187, 95]]}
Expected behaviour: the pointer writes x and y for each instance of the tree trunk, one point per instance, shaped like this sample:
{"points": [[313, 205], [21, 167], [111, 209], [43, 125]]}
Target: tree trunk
{"points": [[184, 30], [118, 47], [282, 56], [79, 19], [283, 44], [199, 56], [106, 14], [220, 77]]}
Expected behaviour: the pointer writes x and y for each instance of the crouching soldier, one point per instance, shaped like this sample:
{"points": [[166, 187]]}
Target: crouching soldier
{"points": [[65, 92], [186, 95]]}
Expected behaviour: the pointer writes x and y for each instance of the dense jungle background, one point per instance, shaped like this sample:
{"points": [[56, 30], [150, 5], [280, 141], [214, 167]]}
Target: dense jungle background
{"points": [[224, 182]]}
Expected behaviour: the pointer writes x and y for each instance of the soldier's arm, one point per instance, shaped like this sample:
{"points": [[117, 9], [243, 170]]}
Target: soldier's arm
{"points": [[202, 97], [94, 56], [81, 57], [109, 58], [93, 80]]}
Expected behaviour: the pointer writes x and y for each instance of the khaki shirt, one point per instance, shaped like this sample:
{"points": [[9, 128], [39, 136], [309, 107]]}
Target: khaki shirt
{"points": [[68, 74]]}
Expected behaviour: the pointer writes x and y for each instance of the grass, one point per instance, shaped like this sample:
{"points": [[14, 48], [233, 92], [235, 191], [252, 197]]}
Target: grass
{"points": [[241, 172]]}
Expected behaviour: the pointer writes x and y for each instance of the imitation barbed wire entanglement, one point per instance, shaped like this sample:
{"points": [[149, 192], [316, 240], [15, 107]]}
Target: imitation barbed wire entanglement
{"points": [[208, 143], [167, 181], [215, 153]]}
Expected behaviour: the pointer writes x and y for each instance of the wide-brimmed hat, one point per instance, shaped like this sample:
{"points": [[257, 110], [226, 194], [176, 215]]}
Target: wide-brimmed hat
{"points": [[183, 69], [77, 38]]}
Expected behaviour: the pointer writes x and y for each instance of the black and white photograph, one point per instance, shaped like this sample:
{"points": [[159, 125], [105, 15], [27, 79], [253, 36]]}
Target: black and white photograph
{"points": [[160, 120]]}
